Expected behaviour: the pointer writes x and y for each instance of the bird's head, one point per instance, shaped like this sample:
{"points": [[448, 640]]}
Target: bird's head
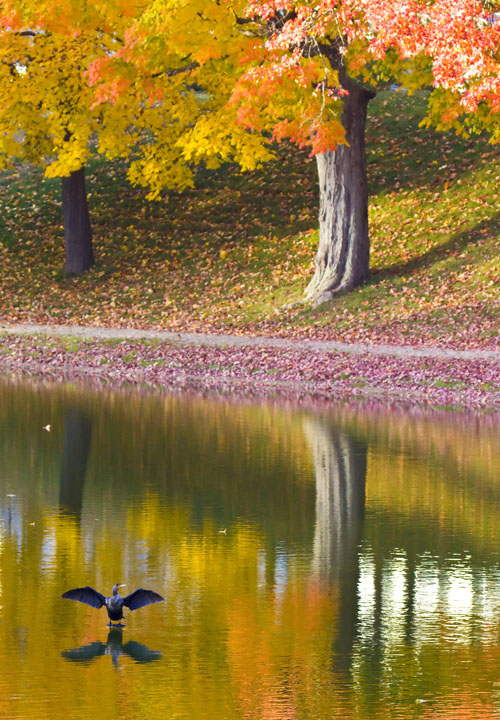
{"points": [[116, 587]]}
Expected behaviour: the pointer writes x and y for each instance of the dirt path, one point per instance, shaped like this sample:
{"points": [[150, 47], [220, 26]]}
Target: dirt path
{"points": [[404, 351]]}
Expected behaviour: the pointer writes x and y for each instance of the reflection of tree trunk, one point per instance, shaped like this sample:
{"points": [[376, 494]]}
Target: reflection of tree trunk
{"points": [[77, 433], [340, 463]]}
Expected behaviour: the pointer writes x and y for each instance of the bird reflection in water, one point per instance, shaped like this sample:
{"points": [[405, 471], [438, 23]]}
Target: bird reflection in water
{"points": [[113, 647]]}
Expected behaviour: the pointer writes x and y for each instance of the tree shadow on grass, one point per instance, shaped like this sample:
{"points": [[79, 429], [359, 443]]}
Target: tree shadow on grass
{"points": [[402, 154], [452, 247]]}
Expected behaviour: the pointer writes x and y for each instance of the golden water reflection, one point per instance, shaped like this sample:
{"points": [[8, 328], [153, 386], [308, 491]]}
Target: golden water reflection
{"points": [[314, 565]]}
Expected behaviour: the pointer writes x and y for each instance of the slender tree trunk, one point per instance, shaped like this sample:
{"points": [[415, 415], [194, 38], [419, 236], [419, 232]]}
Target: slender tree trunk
{"points": [[77, 230], [342, 259]]}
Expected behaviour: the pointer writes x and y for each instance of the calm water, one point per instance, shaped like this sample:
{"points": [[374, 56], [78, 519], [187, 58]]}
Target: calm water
{"points": [[314, 565]]}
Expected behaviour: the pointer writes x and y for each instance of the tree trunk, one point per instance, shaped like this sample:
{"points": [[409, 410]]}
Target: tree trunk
{"points": [[342, 259], [77, 230]]}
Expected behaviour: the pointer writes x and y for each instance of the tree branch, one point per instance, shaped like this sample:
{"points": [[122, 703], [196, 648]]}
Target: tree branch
{"points": [[177, 71]]}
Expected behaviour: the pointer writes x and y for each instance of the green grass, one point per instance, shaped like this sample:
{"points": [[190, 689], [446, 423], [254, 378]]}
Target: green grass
{"points": [[234, 252]]}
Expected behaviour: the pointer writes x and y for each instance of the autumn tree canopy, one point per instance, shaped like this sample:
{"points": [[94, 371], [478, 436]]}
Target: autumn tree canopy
{"points": [[125, 80]]}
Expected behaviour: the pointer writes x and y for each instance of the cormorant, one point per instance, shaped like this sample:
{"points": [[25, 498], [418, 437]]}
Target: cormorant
{"points": [[115, 603]]}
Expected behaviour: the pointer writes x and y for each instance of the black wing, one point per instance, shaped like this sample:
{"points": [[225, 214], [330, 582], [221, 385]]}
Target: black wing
{"points": [[141, 597], [86, 595]]}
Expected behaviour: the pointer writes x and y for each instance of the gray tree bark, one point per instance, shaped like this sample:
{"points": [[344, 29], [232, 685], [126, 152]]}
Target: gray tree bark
{"points": [[77, 230], [342, 259]]}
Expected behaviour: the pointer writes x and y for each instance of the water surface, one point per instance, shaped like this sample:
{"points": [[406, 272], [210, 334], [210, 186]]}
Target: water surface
{"points": [[315, 565]]}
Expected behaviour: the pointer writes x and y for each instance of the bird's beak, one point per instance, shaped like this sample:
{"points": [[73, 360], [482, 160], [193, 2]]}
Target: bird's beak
{"points": [[122, 585]]}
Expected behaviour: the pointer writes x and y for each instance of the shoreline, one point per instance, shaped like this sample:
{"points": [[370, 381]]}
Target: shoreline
{"points": [[265, 367]]}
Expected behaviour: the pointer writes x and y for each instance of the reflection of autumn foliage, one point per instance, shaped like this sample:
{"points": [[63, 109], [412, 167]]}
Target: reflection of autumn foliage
{"points": [[175, 445], [276, 649], [462, 705], [249, 627], [463, 443], [250, 655], [444, 467]]}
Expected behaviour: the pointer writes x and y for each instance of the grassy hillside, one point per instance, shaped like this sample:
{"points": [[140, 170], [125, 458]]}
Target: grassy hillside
{"points": [[230, 254]]}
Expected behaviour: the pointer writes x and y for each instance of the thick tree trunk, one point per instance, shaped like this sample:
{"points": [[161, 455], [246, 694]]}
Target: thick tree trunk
{"points": [[77, 230], [342, 259]]}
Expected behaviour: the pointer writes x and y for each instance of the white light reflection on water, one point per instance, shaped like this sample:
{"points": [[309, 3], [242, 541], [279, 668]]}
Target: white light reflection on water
{"points": [[366, 596], [452, 601], [457, 602], [261, 568], [49, 549], [394, 598], [280, 574], [426, 598]]}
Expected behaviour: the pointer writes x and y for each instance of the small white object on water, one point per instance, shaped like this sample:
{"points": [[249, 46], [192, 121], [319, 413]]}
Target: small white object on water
{"points": [[46, 427], [11, 495], [223, 531]]}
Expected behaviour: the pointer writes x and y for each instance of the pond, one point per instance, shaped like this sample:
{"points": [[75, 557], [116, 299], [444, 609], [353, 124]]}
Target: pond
{"points": [[315, 563]]}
